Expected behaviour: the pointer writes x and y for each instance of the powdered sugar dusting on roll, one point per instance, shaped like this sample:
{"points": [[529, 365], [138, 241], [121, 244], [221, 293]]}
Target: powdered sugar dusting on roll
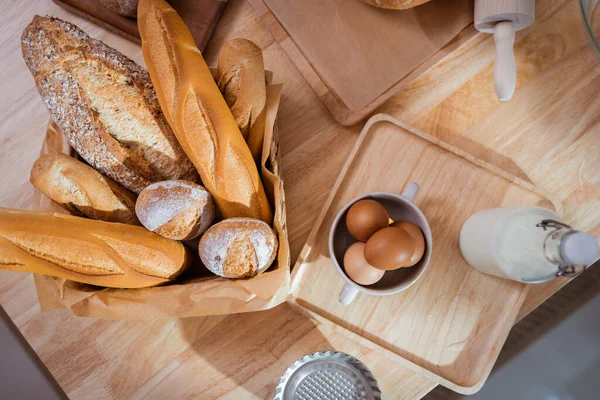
{"points": [[160, 203], [218, 239], [165, 208]]}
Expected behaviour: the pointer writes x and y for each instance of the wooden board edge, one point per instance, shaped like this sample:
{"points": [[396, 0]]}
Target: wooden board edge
{"points": [[211, 28], [347, 117], [327, 326], [103, 24], [304, 253], [283, 38], [557, 204]]}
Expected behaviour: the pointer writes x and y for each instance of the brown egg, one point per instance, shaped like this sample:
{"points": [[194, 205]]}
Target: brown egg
{"points": [[390, 248], [365, 218], [357, 268], [415, 232]]}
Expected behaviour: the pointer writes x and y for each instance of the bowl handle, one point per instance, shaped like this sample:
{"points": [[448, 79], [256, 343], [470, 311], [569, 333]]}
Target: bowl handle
{"points": [[410, 191], [347, 294]]}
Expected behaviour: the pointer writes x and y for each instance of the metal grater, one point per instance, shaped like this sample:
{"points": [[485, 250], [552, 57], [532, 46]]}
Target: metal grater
{"points": [[327, 375]]}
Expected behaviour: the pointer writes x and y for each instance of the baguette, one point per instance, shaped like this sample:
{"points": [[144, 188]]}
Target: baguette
{"points": [[83, 250], [199, 115], [105, 105], [241, 79], [81, 190]]}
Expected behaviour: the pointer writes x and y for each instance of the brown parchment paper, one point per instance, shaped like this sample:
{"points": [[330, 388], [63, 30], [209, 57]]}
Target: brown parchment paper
{"points": [[196, 292], [360, 51]]}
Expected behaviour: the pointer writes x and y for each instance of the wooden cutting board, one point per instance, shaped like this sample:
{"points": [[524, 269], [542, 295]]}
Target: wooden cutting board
{"points": [[201, 16], [452, 323], [356, 56]]}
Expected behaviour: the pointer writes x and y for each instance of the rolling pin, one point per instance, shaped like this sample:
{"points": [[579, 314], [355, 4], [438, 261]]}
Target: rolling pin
{"points": [[503, 18]]}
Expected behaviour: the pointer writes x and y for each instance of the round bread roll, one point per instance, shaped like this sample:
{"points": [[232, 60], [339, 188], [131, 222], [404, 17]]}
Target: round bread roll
{"points": [[238, 247], [395, 4], [177, 210]]}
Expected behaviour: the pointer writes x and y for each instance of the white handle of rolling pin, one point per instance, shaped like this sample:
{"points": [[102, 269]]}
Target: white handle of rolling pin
{"points": [[505, 70]]}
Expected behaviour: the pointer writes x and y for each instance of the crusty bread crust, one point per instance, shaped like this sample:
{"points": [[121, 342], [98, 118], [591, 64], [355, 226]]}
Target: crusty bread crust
{"points": [[84, 250], [81, 190], [238, 248], [199, 114], [241, 79], [176, 210], [105, 105]]}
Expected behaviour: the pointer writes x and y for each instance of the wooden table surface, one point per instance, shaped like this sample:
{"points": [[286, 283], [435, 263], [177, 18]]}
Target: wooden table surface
{"points": [[548, 134]]}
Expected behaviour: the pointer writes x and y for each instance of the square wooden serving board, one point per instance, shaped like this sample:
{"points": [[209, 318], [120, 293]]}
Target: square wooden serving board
{"points": [[451, 324]]}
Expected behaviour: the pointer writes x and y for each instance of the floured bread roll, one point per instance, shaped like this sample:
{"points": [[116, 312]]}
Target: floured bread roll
{"points": [[178, 210], [238, 247]]}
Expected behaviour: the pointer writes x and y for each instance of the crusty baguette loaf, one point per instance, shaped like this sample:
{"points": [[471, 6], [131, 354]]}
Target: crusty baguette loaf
{"points": [[105, 105], [177, 210], [84, 250], [241, 79], [395, 4], [199, 115], [126, 8], [238, 248], [81, 190]]}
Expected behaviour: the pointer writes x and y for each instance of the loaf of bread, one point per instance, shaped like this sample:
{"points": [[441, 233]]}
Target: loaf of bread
{"points": [[84, 250], [241, 79], [238, 248], [176, 210], [199, 114], [104, 103], [395, 4], [81, 190], [55, 142], [126, 8]]}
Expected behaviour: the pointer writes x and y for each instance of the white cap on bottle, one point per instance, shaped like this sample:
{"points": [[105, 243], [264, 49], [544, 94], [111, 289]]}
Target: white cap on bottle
{"points": [[579, 248]]}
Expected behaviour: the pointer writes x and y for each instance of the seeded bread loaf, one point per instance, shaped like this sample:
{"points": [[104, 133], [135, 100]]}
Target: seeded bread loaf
{"points": [[105, 105]]}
